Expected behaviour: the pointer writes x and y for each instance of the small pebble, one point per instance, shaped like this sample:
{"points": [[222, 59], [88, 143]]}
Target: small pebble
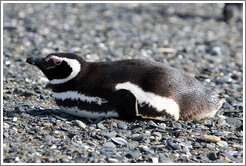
{"points": [[119, 140], [157, 135], [112, 160], [204, 158], [47, 124], [208, 122], [122, 125], [114, 124], [132, 154], [5, 125], [173, 146], [155, 160], [109, 145], [137, 137], [108, 134], [212, 156], [6, 134], [210, 138], [222, 122], [80, 124], [144, 148], [222, 143], [233, 121], [48, 137], [101, 126], [152, 123]]}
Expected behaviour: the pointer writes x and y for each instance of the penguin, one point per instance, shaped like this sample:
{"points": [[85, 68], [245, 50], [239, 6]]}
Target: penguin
{"points": [[127, 89]]}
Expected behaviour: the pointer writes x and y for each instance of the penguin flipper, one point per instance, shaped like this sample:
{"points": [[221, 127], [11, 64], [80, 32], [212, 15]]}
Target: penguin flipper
{"points": [[129, 108], [125, 103]]}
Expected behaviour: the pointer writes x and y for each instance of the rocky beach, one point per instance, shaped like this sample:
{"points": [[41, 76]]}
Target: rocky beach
{"points": [[190, 37]]}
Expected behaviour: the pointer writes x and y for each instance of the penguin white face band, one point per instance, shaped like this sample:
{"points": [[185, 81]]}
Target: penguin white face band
{"points": [[73, 63]]}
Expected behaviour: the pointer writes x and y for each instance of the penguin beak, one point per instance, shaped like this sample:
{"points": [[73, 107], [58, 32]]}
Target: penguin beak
{"points": [[40, 63]]}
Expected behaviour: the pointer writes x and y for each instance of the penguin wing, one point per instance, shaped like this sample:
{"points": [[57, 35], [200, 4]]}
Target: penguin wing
{"points": [[129, 107], [125, 103]]}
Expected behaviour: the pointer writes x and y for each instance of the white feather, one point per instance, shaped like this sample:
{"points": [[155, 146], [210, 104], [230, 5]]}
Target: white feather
{"points": [[88, 114], [74, 95]]}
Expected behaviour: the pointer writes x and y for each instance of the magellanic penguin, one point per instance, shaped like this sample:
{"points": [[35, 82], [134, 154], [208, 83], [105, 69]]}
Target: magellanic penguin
{"points": [[127, 89]]}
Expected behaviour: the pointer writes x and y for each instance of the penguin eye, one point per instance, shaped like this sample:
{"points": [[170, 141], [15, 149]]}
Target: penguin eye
{"points": [[56, 61]]}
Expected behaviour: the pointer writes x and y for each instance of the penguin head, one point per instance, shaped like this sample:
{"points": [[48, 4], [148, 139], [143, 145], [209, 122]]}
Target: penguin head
{"points": [[59, 67]]}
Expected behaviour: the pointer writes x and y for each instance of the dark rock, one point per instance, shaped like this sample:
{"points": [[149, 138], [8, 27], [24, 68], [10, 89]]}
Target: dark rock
{"points": [[226, 106], [137, 137], [172, 145], [212, 156], [238, 107]]}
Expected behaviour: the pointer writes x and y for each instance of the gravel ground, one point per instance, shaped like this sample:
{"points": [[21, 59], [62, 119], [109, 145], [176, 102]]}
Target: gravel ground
{"points": [[190, 37]]}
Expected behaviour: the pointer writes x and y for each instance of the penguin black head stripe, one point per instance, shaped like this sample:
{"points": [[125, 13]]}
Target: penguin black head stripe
{"points": [[126, 89]]}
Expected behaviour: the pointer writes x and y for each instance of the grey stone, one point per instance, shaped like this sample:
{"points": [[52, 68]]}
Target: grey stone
{"points": [[132, 154], [221, 153], [173, 145], [48, 137], [6, 134], [108, 134], [234, 121], [109, 145], [204, 158], [122, 125], [101, 126], [146, 149], [80, 124], [164, 159], [137, 137]]}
